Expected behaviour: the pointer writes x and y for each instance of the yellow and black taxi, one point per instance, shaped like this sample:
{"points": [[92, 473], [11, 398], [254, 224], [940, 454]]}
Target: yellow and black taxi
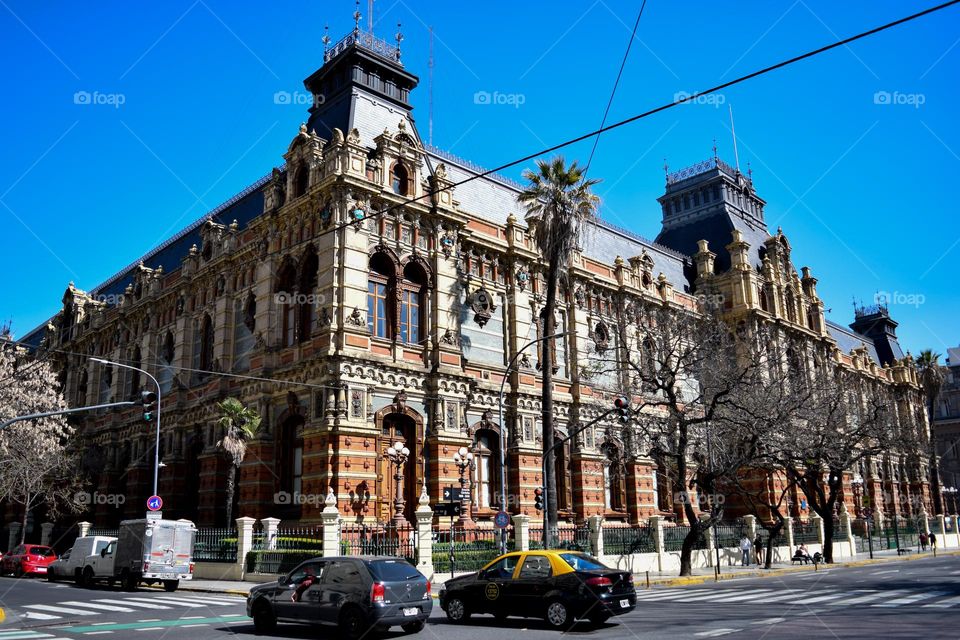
{"points": [[559, 586]]}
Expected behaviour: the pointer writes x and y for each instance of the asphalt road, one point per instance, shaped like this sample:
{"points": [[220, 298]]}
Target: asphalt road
{"points": [[915, 599]]}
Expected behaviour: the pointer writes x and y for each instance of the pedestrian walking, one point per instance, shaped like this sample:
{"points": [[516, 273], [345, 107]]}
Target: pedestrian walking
{"points": [[923, 542], [745, 547], [933, 541], [758, 549]]}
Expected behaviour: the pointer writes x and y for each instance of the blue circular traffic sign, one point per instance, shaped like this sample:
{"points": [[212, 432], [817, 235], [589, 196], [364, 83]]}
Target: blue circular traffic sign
{"points": [[154, 503], [501, 520]]}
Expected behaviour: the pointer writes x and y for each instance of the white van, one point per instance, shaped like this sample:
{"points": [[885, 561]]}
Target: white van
{"points": [[72, 566]]}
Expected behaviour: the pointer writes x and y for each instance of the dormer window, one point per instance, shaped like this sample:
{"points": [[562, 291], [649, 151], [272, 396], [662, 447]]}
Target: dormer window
{"points": [[401, 180], [301, 182]]}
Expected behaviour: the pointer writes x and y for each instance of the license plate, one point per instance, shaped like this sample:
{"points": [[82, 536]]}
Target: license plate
{"points": [[411, 611], [624, 604], [41, 569]]}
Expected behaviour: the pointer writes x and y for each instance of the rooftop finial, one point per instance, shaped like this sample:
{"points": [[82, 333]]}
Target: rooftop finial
{"points": [[666, 167], [399, 38], [326, 37], [715, 149], [356, 19], [749, 171]]}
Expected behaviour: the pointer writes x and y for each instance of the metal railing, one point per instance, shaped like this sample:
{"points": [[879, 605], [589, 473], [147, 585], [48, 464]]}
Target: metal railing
{"points": [[728, 534], [627, 540], [673, 538], [472, 548], [215, 545], [574, 538], [389, 539], [286, 550], [805, 533], [111, 533]]}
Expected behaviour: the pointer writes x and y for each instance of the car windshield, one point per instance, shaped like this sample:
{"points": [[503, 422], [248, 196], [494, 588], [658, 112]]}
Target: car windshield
{"points": [[580, 562], [41, 551], [393, 570]]}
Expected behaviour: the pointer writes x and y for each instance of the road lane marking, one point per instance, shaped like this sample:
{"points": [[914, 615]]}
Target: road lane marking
{"points": [[770, 621], [911, 598], [883, 573], [96, 633], [32, 615], [872, 596], [53, 609], [150, 629], [204, 600], [97, 606], [160, 624], [150, 620], [25, 635], [664, 595], [943, 604], [747, 596], [130, 602], [715, 633]]}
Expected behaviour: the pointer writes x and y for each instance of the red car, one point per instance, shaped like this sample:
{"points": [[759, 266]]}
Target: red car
{"points": [[28, 559]]}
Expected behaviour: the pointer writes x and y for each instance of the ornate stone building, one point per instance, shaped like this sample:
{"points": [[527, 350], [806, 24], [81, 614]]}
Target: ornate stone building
{"points": [[348, 334]]}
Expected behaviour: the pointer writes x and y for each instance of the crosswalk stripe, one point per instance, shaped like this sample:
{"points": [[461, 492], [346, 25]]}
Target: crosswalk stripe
{"points": [[211, 599], [146, 603], [803, 599], [180, 603], [719, 596], [869, 595], [132, 603], [746, 596], [916, 597], [53, 609], [205, 603], [97, 606], [665, 595], [25, 635], [33, 615], [943, 604]]}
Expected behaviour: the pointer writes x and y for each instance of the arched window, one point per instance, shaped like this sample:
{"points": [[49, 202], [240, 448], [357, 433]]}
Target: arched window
{"points": [[791, 307], [564, 479], [614, 479], [487, 469], [301, 181], [165, 373], [401, 180], [379, 286], [206, 346], [412, 310], [762, 295], [135, 375], [82, 388], [290, 457], [308, 282], [285, 290]]}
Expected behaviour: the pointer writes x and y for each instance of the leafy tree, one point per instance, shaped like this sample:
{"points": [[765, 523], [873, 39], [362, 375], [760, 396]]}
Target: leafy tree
{"points": [[558, 200], [238, 424], [39, 466]]}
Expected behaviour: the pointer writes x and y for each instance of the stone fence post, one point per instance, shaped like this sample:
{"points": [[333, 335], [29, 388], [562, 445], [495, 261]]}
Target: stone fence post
{"points": [[595, 524], [46, 531], [14, 538], [521, 532], [956, 529], [331, 526], [941, 531], [424, 516], [656, 523], [750, 527], [244, 541], [270, 526], [817, 521], [788, 525], [847, 528], [711, 541], [83, 528]]}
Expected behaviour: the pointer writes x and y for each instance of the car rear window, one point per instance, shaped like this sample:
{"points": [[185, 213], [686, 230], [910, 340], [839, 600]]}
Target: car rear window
{"points": [[41, 551], [391, 570], [579, 562]]}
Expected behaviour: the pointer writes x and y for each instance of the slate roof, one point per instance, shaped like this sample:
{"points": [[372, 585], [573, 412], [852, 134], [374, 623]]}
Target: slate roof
{"points": [[717, 231], [849, 340]]}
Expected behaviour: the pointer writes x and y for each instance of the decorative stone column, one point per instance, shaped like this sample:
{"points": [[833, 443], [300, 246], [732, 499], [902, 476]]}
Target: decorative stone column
{"points": [[331, 525], [656, 523], [817, 521], [46, 531], [925, 519], [595, 524], [788, 526], [14, 537], [956, 529], [941, 531], [750, 524], [711, 541], [521, 532], [424, 516], [83, 528], [244, 541], [847, 529], [270, 532]]}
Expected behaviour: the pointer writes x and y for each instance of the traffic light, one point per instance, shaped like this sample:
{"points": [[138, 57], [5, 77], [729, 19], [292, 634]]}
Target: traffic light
{"points": [[149, 401], [622, 404], [538, 498]]}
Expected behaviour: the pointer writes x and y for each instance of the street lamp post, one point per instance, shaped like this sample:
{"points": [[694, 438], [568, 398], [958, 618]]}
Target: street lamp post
{"points": [[156, 447], [857, 484], [398, 455], [463, 459], [503, 449]]}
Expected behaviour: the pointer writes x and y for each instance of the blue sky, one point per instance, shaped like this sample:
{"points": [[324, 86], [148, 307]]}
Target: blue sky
{"points": [[182, 115]]}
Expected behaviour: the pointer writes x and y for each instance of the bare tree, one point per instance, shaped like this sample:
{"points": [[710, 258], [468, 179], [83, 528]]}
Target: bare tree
{"points": [[39, 466]]}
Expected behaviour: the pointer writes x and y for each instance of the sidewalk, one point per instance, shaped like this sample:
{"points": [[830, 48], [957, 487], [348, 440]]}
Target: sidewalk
{"points": [[242, 588]]}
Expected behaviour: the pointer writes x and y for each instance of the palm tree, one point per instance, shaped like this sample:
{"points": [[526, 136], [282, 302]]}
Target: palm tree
{"points": [[931, 378], [558, 200], [238, 425]]}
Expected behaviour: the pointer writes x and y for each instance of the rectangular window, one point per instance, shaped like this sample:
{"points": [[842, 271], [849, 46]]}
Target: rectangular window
{"points": [[377, 309], [410, 317]]}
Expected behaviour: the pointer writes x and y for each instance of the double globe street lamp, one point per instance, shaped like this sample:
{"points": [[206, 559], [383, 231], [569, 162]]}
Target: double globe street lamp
{"points": [[463, 458], [398, 455]]}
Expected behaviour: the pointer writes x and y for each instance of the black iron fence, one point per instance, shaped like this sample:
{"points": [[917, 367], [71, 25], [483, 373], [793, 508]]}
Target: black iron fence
{"points": [[620, 540], [215, 545], [472, 548], [389, 539], [574, 538], [112, 533], [728, 534], [285, 550], [673, 538], [805, 532]]}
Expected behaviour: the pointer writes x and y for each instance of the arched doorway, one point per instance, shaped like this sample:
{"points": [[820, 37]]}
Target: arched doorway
{"points": [[399, 423]]}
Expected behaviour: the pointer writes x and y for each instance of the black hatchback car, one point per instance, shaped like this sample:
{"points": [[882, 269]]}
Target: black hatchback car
{"points": [[558, 586], [358, 594]]}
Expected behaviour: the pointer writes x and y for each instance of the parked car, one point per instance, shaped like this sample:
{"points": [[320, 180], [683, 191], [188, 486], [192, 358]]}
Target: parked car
{"points": [[28, 559], [558, 586], [359, 594], [70, 565]]}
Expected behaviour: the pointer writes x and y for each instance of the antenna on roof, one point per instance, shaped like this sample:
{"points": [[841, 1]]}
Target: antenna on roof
{"points": [[430, 82], [733, 131], [370, 16], [326, 38], [715, 158], [356, 19]]}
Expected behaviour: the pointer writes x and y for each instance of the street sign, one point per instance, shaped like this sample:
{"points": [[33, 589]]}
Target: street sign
{"points": [[501, 520], [452, 494], [448, 509], [154, 503], [154, 515], [866, 512]]}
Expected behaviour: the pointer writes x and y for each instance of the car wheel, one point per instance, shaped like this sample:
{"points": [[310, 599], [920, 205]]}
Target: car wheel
{"points": [[599, 618], [170, 585], [413, 627], [129, 581], [86, 578], [264, 620], [18, 571], [457, 610], [557, 615], [353, 626]]}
